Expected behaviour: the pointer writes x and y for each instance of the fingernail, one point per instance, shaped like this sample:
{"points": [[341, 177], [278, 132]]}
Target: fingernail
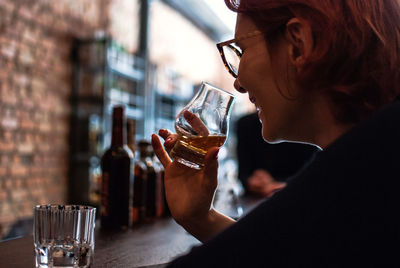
{"points": [[168, 140]]}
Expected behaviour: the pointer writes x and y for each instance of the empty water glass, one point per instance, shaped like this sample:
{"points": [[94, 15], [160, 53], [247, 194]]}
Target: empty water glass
{"points": [[63, 235]]}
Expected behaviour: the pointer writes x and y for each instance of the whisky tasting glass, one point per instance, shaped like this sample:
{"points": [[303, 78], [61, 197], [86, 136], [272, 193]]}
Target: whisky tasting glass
{"points": [[203, 123], [63, 235]]}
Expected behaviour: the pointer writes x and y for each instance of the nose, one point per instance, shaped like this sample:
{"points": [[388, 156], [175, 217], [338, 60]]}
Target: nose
{"points": [[238, 87]]}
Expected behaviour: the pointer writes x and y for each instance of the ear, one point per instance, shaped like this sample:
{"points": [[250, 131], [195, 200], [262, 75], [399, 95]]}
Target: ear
{"points": [[301, 42]]}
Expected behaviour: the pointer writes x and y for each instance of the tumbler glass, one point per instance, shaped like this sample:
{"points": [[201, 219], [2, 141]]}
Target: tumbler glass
{"points": [[63, 235], [203, 123]]}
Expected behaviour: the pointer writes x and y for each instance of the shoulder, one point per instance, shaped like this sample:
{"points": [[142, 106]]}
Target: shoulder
{"points": [[360, 168], [379, 134]]}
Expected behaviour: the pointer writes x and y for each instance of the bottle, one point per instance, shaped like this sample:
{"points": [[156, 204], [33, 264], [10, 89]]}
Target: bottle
{"points": [[131, 130], [152, 181], [161, 202], [139, 187], [117, 177], [154, 195]]}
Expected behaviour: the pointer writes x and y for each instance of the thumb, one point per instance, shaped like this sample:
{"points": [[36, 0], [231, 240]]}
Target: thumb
{"points": [[211, 163], [276, 188]]}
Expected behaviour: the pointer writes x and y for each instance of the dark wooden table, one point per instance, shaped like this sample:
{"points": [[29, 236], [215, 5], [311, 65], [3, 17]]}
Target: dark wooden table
{"points": [[152, 244]]}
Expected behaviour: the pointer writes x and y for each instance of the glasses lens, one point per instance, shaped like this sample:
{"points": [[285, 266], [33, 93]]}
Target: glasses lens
{"points": [[231, 58]]}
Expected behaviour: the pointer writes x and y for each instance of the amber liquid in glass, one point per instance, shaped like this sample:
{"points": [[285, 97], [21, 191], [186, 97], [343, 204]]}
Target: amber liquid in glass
{"points": [[191, 150]]}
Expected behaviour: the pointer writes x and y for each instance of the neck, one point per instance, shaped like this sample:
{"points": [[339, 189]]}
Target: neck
{"points": [[327, 134], [118, 137], [319, 127]]}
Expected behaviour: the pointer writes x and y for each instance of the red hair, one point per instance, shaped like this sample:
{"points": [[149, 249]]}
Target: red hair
{"points": [[355, 60]]}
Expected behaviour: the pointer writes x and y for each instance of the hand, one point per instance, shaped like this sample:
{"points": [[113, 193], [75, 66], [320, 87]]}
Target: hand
{"points": [[189, 192], [262, 183], [193, 120]]}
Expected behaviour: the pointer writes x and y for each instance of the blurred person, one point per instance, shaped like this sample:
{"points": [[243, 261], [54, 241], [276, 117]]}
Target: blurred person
{"points": [[322, 72], [263, 167]]}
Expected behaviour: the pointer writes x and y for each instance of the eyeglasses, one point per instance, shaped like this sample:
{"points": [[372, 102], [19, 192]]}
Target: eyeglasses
{"points": [[231, 53]]}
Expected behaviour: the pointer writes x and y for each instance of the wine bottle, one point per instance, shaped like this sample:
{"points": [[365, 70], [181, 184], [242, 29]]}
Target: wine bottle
{"points": [[117, 178], [131, 130], [151, 193], [154, 205], [139, 187], [160, 191]]}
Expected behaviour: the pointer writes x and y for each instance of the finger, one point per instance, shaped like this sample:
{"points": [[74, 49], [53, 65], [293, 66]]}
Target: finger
{"points": [[275, 188], [257, 187], [250, 186], [260, 172], [274, 191], [258, 191], [164, 133], [253, 187], [170, 142], [159, 151], [169, 138], [279, 186], [251, 179], [196, 123], [211, 165]]}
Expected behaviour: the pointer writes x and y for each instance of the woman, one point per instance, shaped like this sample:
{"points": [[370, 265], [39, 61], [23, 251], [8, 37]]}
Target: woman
{"points": [[324, 72]]}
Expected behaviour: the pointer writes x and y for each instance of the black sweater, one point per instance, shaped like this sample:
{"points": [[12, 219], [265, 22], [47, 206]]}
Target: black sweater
{"points": [[343, 210], [281, 160]]}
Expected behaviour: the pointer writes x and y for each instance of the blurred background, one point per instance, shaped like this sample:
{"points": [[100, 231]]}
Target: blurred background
{"points": [[65, 63]]}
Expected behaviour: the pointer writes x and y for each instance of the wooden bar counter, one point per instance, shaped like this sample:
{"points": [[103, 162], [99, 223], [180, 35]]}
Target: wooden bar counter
{"points": [[153, 244]]}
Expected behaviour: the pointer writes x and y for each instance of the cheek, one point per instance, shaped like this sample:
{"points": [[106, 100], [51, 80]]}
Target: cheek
{"points": [[253, 70], [244, 66]]}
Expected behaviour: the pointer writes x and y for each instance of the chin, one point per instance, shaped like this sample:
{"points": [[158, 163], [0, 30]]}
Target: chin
{"points": [[273, 141], [270, 137]]}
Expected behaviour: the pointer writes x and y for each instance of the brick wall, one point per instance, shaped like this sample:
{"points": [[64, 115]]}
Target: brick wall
{"points": [[35, 84]]}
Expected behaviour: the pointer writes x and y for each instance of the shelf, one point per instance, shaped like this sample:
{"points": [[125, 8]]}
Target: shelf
{"points": [[126, 71], [117, 79], [130, 112], [119, 96], [171, 97]]}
